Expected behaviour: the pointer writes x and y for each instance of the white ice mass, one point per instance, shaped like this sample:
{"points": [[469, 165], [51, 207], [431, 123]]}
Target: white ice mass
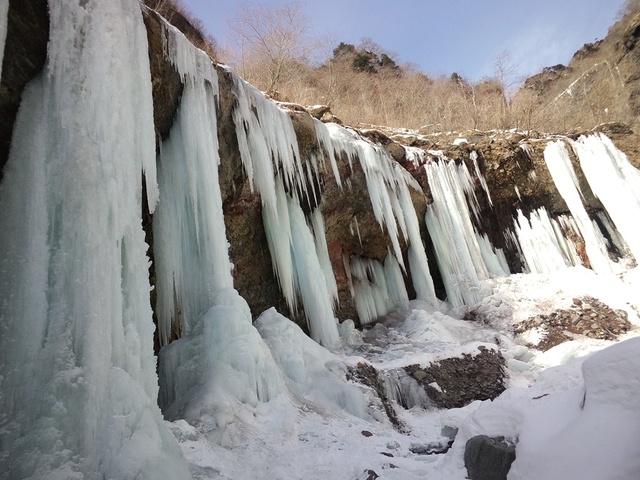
{"points": [[78, 375], [237, 394]]}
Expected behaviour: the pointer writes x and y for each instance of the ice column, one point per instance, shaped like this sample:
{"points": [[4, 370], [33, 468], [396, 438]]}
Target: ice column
{"points": [[377, 287], [268, 144], [615, 182], [4, 10], [317, 223], [302, 264], [420, 273], [388, 185], [311, 280], [219, 355], [558, 162], [543, 245], [448, 218], [190, 244], [77, 370]]}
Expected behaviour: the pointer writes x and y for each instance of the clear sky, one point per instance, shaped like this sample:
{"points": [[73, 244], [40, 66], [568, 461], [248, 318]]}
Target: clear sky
{"points": [[446, 36]]}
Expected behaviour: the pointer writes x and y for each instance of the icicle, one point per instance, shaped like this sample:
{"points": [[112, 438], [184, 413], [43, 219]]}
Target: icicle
{"points": [[465, 181], [396, 288], [324, 137], [368, 298], [388, 185], [188, 60], [415, 155], [278, 229], [615, 182], [448, 220], [558, 162], [418, 262], [494, 258], [483, 182], [78, 376], [192, 259], [4, 10], [354, 224], [220, 355], [379, 174], [517, 190], [376, 287], [311, 280], [267, 143], [541, 247], [526, 149], [322, 251]]}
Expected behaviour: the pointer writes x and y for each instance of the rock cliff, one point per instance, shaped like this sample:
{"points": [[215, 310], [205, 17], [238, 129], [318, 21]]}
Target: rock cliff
{"points": [[512, 164]]}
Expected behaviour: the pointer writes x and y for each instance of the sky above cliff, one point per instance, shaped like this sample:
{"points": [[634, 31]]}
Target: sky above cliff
{"points": [[441, 37]]}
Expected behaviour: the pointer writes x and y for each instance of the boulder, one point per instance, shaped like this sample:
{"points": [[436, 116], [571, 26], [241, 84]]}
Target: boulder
{"points": [[457, 381], [488, 458]]}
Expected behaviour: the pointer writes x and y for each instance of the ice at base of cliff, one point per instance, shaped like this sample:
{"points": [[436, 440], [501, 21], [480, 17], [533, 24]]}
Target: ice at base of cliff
{"points": [[315, 427]]}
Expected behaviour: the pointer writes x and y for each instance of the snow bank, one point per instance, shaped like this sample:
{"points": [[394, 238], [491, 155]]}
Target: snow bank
{"points": [[594, 430]]}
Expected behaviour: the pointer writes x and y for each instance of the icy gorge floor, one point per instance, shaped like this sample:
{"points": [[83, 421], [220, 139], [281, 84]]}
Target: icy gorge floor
{"points": [[304, 436]]}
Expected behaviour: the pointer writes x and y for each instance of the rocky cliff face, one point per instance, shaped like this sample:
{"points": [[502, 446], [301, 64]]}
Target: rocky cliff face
{"points": [[511, 163]]}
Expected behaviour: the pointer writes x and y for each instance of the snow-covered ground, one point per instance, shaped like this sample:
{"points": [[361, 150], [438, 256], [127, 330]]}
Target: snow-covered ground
{"points": [[317, 428]]}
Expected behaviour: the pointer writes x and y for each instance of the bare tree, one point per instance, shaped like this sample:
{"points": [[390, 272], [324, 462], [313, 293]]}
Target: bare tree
{"points": [[506, 74], [270, 41]]}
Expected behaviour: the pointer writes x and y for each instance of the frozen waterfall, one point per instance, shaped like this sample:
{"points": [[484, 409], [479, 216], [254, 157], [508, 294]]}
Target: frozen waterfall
{"points": [[79, 383], [219, 354], [556, 157], [549, 244], [388, 186], [78, 376], [460, 250], [272, 162], [615, 182]]}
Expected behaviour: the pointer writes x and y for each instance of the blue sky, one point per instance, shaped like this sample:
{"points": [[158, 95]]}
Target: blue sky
{"points": [[445, 36]]}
